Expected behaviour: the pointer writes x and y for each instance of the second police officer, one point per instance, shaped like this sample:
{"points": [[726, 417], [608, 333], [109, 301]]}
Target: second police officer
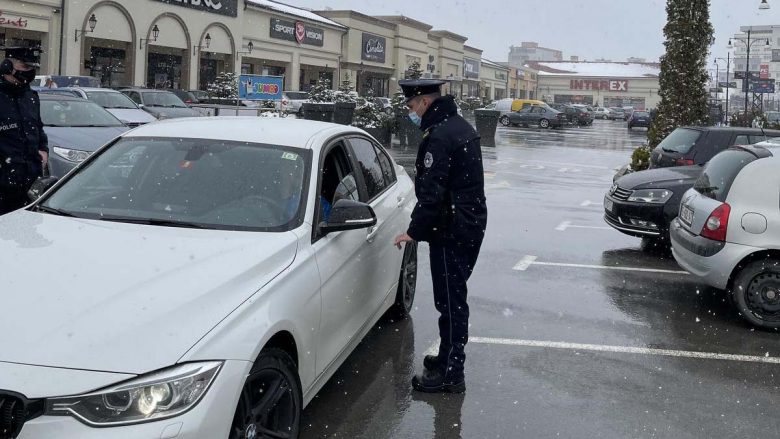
{"points": [[451, 215]]}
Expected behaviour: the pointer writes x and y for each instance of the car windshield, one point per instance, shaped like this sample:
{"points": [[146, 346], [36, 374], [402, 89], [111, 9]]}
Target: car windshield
{"points": [[680, 140], [162, 99], [76, 113], [198, 183], [717, 177], [298, 96], [641, 114], [112, 100]]}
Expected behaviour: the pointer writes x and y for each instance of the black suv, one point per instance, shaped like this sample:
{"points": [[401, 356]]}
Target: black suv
{"points": [[575, 115], [697, 145], [639, 119]]}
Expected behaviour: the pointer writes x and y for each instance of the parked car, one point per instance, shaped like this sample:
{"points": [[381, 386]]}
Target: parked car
{"points": [[186, 96], [535, 115], [602, 113], [509, 105], [233, 281], [66, 81], [161, 104], [617, 113], [76, 128], [200, 95], [772, 117], [113, 101], [294, 101], [697, 145], [643, 204], [639, 119], [384, 104], [627, 112], [728, 231], [577, 115]]}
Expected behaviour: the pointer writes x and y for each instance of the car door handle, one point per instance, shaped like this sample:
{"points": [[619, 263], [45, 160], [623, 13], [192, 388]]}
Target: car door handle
{"points": [[372, 232], [401, 201]]}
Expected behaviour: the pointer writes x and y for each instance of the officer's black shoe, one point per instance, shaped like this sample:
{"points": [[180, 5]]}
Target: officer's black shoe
{"points": [[432, 381], [431, 362]]}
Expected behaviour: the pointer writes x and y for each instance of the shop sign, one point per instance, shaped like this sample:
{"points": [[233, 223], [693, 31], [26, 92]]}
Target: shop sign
{"points": [[222, 7], [470, 68], [612, 85], [373, 48], [12, 21], [298, 32], [775, 55], [501, 75], [260, 88], [763, 71]]}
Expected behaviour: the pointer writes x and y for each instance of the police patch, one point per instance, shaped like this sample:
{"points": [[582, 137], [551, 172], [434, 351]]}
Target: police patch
{"points": [[428, 162]]}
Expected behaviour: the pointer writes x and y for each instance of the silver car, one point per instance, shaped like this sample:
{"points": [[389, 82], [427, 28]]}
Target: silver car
{"points": [[727, 233], [113, 101]]}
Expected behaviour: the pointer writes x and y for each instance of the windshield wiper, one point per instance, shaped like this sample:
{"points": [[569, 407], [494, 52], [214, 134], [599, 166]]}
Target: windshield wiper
{"points": [[53, 211], [669, 150], [154, 222]]}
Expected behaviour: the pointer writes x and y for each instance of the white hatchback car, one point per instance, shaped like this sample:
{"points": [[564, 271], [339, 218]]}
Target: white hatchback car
{"points": [[208, 277], [728, 230]]}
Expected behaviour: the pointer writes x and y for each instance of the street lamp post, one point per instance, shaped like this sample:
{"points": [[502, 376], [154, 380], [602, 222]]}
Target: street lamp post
{"points": [[728, 73], [748, 43]]}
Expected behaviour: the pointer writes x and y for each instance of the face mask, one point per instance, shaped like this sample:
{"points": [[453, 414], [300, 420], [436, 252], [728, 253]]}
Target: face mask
{"points": [[417, 120], [24, 77]]}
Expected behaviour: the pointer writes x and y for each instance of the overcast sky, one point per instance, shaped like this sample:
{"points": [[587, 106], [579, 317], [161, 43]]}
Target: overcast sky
{"points": [[612, 29]]}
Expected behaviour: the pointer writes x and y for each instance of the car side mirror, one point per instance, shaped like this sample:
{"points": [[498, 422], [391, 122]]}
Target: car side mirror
{"points": [[41, 185], [348, 215]]}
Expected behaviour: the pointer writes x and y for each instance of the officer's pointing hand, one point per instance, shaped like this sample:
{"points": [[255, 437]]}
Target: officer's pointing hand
{"points": [[44, 156], [400, 239]]}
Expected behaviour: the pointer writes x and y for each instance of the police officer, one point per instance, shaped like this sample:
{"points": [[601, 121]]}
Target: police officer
{"points": [[23, 144], [451, 215]]}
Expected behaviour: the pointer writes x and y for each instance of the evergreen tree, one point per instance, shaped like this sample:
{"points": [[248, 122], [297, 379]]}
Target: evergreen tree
{"points": [[683, 80], [321, 91], [414, 71], [225, 85], [346, 92]]}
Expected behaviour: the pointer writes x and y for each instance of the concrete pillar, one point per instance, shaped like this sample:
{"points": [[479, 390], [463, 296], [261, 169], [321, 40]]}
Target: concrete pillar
{"points": [[295, 73]]}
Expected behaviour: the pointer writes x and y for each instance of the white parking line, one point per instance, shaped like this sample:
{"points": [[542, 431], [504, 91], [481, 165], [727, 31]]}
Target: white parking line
{"points": [[527, 261], [562, 227], [625, 350]]}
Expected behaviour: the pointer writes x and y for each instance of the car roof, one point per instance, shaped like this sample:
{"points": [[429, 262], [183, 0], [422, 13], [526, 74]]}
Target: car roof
{"points": [[59, 97], [145, 90], [734, 129], [294, 133]]}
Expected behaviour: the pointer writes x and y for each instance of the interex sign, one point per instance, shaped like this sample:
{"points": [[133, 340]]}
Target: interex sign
{"points": [[592, 84], [222, 7]]}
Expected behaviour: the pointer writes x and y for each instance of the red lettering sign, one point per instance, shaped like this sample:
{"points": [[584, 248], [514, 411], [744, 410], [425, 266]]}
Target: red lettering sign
{"points": [[268, 88], [764, 71], [589, 84], [17, 22]]}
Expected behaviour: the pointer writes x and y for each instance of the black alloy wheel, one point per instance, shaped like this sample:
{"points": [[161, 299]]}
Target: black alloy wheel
{"points": [[756, 293], [504, 121], [271, 403], [407, 283]]}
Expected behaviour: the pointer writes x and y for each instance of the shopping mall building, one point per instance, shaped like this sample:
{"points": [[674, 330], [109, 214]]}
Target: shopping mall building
{"points": [[607, 84], [185, 43]]}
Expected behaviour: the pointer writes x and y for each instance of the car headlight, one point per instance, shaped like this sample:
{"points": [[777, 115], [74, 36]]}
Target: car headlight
{"points": [[656, 196], [71, 155], [156, 396]]}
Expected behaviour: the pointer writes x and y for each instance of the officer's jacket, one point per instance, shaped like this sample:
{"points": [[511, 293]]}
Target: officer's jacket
{"points": [[21, 135], [449, 181]]}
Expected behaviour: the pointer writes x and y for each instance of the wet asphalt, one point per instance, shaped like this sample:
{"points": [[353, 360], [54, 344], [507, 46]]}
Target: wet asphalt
{"points": [[562, 347]]}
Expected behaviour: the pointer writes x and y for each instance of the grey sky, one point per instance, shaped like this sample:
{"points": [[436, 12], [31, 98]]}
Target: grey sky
{"points": [[612, 29]]}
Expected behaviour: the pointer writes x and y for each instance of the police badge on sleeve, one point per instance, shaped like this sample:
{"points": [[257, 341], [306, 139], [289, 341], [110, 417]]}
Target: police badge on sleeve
{"points": [[428, 162]]}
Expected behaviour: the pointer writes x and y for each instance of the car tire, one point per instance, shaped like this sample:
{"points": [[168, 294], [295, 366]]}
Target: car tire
{"points": [[756, 293], [280, 408], [544, 123], [407, 283], [504, 121]]}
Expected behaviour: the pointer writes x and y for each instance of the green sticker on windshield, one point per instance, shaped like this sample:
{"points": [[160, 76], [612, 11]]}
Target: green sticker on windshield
{"points": [[290, 156]]}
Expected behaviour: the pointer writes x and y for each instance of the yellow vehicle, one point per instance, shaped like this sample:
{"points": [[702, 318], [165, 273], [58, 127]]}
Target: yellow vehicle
{"points": [[511, 105]]}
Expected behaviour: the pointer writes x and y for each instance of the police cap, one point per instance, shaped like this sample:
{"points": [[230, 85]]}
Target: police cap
{"points": [[420, 87], [28, 55]]}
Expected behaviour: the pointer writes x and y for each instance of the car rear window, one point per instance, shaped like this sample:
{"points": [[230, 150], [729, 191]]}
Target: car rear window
{"points": [[642, 114], [680, 140], [715, 182]]}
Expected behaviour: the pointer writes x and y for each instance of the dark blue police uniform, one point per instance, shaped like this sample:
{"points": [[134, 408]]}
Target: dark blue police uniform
{"points": [[21, 135], [451, 215]]}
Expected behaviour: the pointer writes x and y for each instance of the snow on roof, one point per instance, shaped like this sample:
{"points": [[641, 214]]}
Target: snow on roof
{"points": [[596, 69], [292, 10], [494, 65]]}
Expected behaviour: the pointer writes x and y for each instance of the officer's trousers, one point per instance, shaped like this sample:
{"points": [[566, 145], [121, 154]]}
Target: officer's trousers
{"points": [[451, 267]]}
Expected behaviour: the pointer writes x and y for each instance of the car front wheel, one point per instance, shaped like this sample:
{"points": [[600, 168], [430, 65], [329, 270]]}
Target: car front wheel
{"points": [[756, 293], [271, 402], [407, 283]]}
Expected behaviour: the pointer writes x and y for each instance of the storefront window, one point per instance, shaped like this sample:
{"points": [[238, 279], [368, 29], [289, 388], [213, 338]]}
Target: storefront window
{"points": [[574, 99], [164, 71], [208, 72], [108, 64]]}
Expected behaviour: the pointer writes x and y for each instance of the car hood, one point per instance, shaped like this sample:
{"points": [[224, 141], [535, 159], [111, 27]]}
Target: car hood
{"points": [[171, 112], [661, 177], [131, 115], [82, 138], [123, 298]]}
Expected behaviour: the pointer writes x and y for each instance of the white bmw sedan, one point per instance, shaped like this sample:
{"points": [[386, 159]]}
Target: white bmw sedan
{"points": [[198, 279]]}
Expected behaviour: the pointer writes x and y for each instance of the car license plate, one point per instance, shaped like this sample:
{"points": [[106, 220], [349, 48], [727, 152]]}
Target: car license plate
{"points": [[609, 205], [686, 214]]}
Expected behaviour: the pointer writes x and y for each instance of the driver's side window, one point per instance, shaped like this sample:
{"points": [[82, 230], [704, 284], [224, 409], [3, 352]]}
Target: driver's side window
{"points": [[336, 181]]}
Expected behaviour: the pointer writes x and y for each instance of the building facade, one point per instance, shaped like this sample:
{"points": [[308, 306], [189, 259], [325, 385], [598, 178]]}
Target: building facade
{"points": [[603, 84], [472, 62], [531, 51], [494, 79]]}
